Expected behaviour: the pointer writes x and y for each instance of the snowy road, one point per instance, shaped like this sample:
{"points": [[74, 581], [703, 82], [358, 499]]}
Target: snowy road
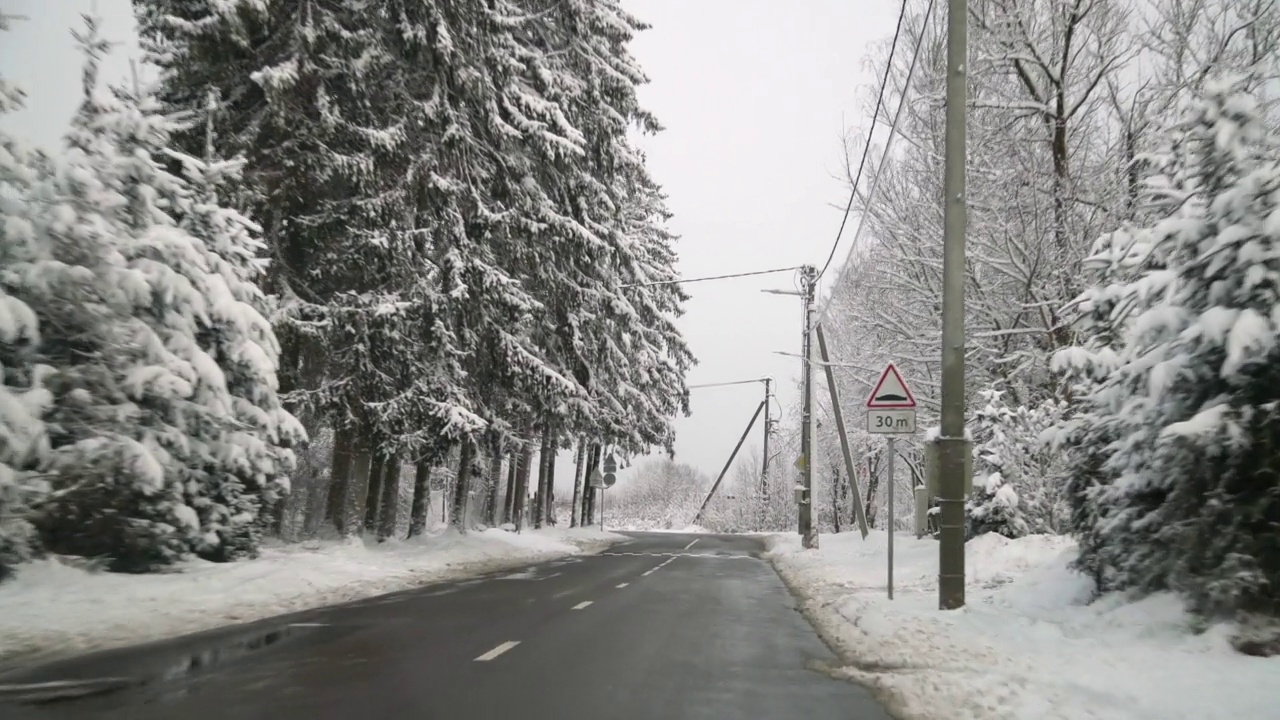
{"points": [[662, 626]]}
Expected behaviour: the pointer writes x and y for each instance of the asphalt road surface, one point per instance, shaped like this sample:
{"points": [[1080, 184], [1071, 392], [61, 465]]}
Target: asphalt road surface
{"points": [[659, 627]]}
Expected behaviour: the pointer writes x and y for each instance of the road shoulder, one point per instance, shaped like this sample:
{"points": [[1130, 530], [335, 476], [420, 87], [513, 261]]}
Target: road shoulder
{"points": [[53, 611]]}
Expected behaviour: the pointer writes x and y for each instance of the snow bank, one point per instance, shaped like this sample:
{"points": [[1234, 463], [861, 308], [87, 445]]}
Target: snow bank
{"points": [[52, 609], [687, 529], [1026, 647], [633, 525]]}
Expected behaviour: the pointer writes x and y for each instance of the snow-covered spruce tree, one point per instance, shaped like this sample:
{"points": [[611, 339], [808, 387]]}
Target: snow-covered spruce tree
{"points": [[363, 168], [1101, 313], [23, 399], [612, 233], [1018, 483], [1186, 495], [251, 459], [459, 264], [108, 495], [173, 440]]}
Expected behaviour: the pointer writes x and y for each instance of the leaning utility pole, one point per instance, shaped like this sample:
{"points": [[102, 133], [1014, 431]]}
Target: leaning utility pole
{"points": [[728, 464], [952, 446], [808, 537]]}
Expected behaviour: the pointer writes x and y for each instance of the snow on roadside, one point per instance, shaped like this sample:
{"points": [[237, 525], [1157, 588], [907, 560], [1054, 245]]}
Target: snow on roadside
{"points": [[52, 609], [1026, 647], [686, 530]]}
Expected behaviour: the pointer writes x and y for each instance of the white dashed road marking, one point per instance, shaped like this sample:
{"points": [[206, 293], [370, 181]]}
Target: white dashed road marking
{"points": [[660, 565], [582, 604], [498, 651], [686, 547], [622, 585]]}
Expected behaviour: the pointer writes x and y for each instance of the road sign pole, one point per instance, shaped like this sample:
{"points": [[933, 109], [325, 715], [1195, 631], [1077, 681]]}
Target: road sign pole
{"points": [[891, 410], [889, 488], [603, 482], [952, 447]]}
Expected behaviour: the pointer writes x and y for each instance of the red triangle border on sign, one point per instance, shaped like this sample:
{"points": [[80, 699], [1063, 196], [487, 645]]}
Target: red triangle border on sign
{"points": [[909, 404]]}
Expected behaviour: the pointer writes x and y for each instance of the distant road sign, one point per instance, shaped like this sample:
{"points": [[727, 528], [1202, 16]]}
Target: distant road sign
{"points": [[610, 479], [610, 464], [891, 393], [596, 479]]}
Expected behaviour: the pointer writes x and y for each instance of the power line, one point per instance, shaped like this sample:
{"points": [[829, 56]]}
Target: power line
{"points": [[725, 384], [884, 157], [866, 149], [712, 277]]}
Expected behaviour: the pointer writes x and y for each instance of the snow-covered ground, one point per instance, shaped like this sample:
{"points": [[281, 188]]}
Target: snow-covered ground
{"points": [[634, 526], [53, 609], [1026, 647]]}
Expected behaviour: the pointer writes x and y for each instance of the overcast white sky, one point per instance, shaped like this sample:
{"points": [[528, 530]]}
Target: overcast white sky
{"points": [[755, 96]]}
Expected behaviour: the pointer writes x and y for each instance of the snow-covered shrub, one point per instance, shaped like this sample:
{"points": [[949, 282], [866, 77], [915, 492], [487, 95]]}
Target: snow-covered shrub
{"points": [[663, 494], [22, 397], [995, 507], [1175, 463], [167, 436], [1018, 475]]}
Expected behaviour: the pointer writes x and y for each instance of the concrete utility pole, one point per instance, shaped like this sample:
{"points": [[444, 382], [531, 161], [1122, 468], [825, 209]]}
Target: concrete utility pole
{"points": [[809, 538], [952, 445]]}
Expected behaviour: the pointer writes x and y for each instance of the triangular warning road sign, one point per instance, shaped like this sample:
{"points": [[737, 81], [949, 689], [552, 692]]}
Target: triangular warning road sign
{"points": [[891, 392]]}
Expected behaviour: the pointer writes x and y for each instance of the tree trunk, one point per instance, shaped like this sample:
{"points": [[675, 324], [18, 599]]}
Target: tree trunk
{"points": [[421, 498], [508, 499], [588, 492], [835, 497], [390, 498], [279, 512], [462, 488], [579, 463], [844, 502], [374, 498], [540, 495], [339, 479], [357, 490], [519, 502], [495, 479], [551, 479], [873, 484]]}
